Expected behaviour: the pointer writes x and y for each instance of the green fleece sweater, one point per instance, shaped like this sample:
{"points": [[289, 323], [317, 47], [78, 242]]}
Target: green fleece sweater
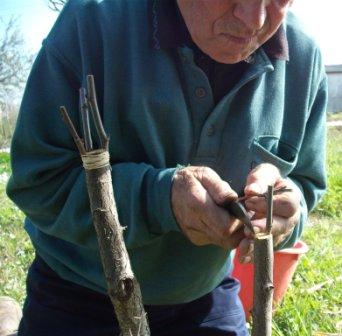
{"points": [[156, 121]]}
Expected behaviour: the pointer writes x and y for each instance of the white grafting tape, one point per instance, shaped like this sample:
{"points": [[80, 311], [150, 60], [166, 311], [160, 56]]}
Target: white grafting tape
{"points": [[95, 159]]}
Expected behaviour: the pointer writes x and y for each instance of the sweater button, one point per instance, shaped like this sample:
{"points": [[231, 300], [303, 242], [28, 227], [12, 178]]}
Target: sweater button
{"points": [[200, 92], [210, 130]]}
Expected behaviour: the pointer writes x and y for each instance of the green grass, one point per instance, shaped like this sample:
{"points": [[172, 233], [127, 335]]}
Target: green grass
{"points": [[302, 313], [331, 204], [16, 251], [334, 116], [4, 163]]}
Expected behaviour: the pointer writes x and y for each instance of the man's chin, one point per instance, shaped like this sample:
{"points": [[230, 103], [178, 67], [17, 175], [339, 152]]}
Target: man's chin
{"points": [[227, 58]]}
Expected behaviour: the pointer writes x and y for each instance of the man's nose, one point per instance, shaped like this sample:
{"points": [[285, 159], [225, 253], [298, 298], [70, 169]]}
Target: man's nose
{"points": [[252, 13]]}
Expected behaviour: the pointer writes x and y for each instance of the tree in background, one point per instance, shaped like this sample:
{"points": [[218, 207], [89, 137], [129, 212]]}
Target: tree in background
{"points": [[14, 66], [56, 5]]}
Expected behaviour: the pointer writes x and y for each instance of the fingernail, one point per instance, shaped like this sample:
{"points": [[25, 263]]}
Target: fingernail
{"points": [[256, 229]]}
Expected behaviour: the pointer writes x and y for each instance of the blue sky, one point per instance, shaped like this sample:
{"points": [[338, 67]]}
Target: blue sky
{"points": [[36, 20]]}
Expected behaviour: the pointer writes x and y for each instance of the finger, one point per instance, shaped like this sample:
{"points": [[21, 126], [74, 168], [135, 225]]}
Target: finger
{"points": [[249, 234], [280, 226], [232, 241], [218, 189], [246, 247], [285, 204], [198, 237], [220, 225], [260, 178], [259, 215], [209, 218]]}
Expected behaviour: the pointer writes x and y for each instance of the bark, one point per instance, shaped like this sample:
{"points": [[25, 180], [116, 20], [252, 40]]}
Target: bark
{"points": [[123, 287], [263, 275], [263, 285]]}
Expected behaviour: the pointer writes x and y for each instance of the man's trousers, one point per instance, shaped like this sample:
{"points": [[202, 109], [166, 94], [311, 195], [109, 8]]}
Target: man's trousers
{"points": [[56, 307]]}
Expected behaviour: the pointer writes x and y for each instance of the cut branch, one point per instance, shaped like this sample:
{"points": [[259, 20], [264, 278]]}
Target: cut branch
{"points": [[84, 111], [269, 217], [78, 141], [263, 276], [123, 287], [104, 140]]}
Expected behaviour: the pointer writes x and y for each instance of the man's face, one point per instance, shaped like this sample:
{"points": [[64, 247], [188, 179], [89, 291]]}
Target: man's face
{"points": [[231, 30]]}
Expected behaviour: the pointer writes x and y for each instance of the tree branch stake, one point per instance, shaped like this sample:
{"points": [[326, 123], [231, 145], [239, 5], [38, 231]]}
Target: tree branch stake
{"points": [[123, 287], [263, 276]]}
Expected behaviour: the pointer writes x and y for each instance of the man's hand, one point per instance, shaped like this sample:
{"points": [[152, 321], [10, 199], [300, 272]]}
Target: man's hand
{"points": [[286, 209], [196, 193]]}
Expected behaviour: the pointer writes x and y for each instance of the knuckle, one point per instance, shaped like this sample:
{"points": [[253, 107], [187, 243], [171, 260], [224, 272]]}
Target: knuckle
{"points": [[226, 192], [183, 175], [265, 168], [196, 200], [206, 172]]}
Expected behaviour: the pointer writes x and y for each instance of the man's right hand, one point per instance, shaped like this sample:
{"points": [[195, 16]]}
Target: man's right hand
{"points": [[196, 195]]}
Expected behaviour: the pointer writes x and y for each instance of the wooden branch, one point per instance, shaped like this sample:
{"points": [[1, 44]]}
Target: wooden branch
{"points": [[123, 287], [78, 141], [104, 140], [263, 285], [263, 276], [269, 218], [84, 111]]}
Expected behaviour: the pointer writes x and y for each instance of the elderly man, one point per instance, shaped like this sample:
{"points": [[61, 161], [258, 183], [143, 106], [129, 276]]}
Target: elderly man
{"points": [[204, 100]]}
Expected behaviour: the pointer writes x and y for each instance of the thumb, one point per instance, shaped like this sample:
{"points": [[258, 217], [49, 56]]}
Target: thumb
{"points": [[219, 190], [260, 178]]}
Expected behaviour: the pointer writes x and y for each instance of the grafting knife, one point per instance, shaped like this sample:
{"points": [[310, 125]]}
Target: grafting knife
{"points": [[238, 210]]}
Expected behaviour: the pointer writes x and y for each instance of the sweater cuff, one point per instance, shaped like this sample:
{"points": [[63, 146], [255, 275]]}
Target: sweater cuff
{"points": [[159, 208]]}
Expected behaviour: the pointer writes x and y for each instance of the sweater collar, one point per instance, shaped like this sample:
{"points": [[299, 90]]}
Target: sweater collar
{"points": [[170, 31]]}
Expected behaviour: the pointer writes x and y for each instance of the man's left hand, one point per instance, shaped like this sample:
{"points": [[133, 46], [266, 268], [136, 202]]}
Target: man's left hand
{"points": [[286, 207]]}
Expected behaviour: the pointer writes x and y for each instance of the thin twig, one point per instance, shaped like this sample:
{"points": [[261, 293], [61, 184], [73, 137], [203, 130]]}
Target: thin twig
{"points": [[78, 141], [95, 112], [269, 209], [84, 111], [264, 195]]}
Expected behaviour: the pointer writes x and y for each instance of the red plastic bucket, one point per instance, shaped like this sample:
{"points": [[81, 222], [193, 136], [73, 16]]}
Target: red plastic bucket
{"points": [[285, 263]]}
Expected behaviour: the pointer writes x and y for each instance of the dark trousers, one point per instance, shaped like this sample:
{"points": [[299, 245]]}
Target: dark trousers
{"points": [[55, 307]]}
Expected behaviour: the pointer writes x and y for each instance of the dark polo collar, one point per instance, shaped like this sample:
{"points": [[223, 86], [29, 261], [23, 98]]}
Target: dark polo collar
{"points": [[169, 31]]}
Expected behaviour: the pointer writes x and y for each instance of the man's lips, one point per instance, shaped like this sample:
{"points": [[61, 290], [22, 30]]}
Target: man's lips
{"points": [[239, 39]]}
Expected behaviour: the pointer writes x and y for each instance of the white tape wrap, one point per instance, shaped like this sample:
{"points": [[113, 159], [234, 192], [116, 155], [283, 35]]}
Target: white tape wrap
{"points": [[95, 160]]}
